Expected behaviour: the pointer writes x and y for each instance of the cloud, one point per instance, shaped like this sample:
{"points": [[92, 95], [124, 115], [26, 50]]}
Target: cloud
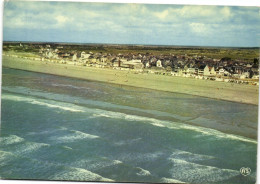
{"points": [[132, 22], [198, 28], [61, 19], [162, 15]]}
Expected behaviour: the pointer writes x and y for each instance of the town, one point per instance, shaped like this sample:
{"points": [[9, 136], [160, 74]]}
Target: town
{"points": [[224, 69]]}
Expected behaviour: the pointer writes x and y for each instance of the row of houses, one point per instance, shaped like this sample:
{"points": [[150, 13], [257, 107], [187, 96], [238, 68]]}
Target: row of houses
{"points": [[179, 65]]}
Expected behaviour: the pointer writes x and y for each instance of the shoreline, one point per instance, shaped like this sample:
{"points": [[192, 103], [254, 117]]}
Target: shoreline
{"points": [[239, 93]]}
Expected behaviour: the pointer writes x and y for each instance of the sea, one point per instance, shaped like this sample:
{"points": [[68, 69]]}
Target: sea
{"points": [[67, 129]]}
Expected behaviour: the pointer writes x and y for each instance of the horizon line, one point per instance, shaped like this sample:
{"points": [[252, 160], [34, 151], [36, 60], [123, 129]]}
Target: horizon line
{"points": [[131, 44]]}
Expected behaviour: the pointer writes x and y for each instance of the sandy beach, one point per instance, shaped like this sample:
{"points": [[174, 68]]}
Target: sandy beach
{"points": [[218, 90]]}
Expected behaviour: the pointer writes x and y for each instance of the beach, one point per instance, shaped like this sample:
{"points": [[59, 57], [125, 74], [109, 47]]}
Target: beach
{"points": [[205, 88]]}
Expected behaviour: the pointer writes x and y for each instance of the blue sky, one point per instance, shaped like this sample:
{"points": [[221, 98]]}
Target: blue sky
{"points": [[131, 23]]}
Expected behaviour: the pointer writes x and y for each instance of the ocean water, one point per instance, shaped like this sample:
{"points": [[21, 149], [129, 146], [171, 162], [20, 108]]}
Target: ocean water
{"points": [[57, 128]]}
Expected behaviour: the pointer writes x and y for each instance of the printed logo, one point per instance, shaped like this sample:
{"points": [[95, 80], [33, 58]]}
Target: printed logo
{"points": [[245, 171]]}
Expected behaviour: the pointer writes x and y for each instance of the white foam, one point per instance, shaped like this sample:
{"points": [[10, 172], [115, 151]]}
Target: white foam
{"points": [[4, 155], [73, 136], [29, 147], [47, 103], [102, 163], [141, 157], [216, 133], [188, 156], [192, 172], [11, 139], [67, 147], [69, 86], [143, 172], [170, 180], [78, 174], [171, 125], [118, 115], [125, 142]]}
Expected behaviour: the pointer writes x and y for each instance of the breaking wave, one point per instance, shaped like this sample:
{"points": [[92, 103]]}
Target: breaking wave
{"points": [[171, 125], [72, 136], [11, 139], [170, 180], [42, 102], [78, 174], [118, 115], [189, 172]]}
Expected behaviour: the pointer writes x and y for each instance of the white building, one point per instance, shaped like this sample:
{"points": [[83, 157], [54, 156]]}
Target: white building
{"points": [[212, 71], [159, 63], [74, 57], [206, 70], [147, 65], [84, 55]]}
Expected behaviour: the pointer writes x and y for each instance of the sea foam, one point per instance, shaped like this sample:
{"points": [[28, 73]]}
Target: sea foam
{"points": [[192, 172], [72, 136], [11, 139], [78, 174], [96, 113], [42, 102]]}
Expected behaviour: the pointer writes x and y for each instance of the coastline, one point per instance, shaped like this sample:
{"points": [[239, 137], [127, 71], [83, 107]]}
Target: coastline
{"points": [[240, 93]]}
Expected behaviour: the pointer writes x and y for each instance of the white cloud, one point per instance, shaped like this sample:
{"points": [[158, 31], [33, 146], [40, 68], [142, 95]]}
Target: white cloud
{"points": [[199, 28], [162, 15], [61, 19]]}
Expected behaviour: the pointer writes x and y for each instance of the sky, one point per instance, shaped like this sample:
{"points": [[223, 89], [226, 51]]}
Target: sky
{"points": [[115, 23]]}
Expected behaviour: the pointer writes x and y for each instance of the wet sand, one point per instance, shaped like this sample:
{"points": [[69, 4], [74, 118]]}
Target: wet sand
{"points": [[241, 93]]}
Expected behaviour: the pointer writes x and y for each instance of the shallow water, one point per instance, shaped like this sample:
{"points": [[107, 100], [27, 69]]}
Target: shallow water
{"points": [[57, 128]]}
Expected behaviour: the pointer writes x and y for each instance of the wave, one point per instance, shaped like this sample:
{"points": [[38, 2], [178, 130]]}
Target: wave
{"points": [[79, 174], [188, 156], [190, 172], [170, 180], [96, 164], [11, 139], [42, 102], [101, 104], [5, 157], [41, 169], [216, 133], [96, 113], [73, 136], [125, 142], [69, 86], [172, 125], [142, 172], [28, 147], [141, 157]]}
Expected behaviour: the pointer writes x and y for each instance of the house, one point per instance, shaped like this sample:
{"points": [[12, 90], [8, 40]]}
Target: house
{"points": [[244, 75], [147, 64], [212, 71], [49, 54], [132, 64], [83, 55], [74, 57], [255, 77], [201, 70], [221, 71], [206, 70], [191, 70], [159, 63]]}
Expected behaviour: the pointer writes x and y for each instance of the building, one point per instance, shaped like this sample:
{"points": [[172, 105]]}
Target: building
{"points": [[206, 71], [159, 63], [74, 57]]}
